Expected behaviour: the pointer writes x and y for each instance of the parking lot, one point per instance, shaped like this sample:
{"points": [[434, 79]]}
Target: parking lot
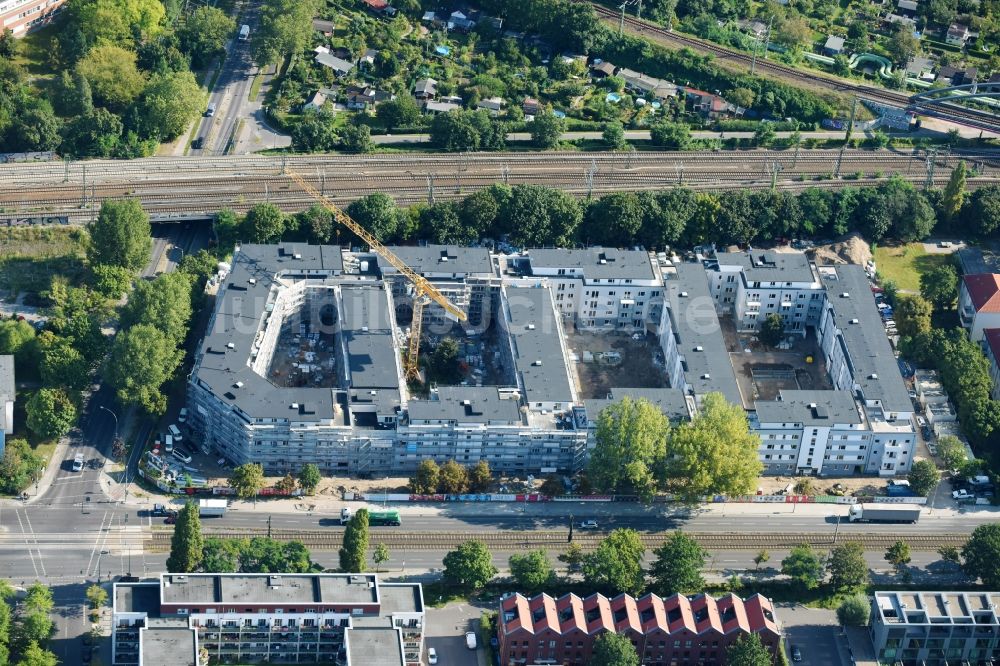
{"points": [[816, 633], [445, 633]]}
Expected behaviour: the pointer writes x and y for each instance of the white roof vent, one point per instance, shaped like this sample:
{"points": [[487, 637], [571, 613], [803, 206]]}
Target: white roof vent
{"points": [[444, 257], [683, 294], [373, 392], [537, 363], [531, 327], [855, 321], [230, 345], [699, 348], [873, 376], [845, 295], [298, 256], [466, 402], [604, 261], [812, 405], [238, 384], [706, 376], [252, 280], [294, 405], [364, 329]]}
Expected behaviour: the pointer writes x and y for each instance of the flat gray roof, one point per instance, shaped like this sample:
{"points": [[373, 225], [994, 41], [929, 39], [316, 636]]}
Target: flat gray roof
{"points": [[174, 646], [874, 365], [436, 259], [401, 598], [374, 646], [671, 401], [269, 588], [466, 404], [8, 386], [695, 323], [540, 360], [596, 263], [137, 598], [769, 266], [795, 406]]}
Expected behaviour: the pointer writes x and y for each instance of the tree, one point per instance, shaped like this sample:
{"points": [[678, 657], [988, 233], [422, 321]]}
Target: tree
{"points": [[114, 77], [951, 450], [356, 139], [531, 571], [97, 596], [793, 32], [613, 220], [614, 135], [611, 649], [912, 315], [545, 130], [903, 45], [616, 565], [286, 484], [954, 192], [480, 477], [853, 611], [675, 136], [265, 223], [923, 477], [950, 554], [772, 330], [142, 359], [118, 21], [629, 445], [380, 556], [35, 655], [378, 214], [187, 544], [715, 453], [61, 365], [309, 478], [536, 216], [847, 566], [316, 131], [121, 235], [761, 557], [247, 480], [15, 337], [764, 135], [51, 413], [479, 211], [36, 128], [678, 566], [427, 479], [354, 552], [940, 286], [440, 224], [984, 211], [470, 565], [163, 303], [221, 555], [454, 478], [18, 466], [981, 554], [400, 112], [205, 33], [8, 44], [97, 133], [803, 566], [573, 557], [285, 27], [443, 362], [111, 281], [552, 486], [168, 105], [455, 132], [748, 651], [898, 555]]}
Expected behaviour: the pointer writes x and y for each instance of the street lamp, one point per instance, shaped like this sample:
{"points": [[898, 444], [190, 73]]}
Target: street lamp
{"points": [[115, 416]]}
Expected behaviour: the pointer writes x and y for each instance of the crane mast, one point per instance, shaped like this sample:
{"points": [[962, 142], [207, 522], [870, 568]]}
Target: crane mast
{"points": [[423, 290]]}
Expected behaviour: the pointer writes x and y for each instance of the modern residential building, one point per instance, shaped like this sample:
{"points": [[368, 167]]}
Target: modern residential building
{"points": [[22, 16], [302, 359], [936, 628], [979, 303], [353, 619], [676, 630]]}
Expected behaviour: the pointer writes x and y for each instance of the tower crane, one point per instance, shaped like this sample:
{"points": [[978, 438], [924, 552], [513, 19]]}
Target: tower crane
{"points": [[423, 290]]}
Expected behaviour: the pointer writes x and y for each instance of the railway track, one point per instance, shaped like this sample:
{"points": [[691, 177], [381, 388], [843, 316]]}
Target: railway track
{"points": [[508, 541], [978, 119], [193, 186]]}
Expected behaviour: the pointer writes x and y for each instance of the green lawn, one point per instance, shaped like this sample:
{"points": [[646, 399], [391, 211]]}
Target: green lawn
{"points": [[904, 264]]}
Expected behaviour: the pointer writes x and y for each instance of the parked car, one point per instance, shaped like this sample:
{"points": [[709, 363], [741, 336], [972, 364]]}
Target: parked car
{"points": [[796, 653], [432, 656], [159, 510], [183, 416], [962, 495], [470, 640], [175, 431], [588, 525], [183, 456]]}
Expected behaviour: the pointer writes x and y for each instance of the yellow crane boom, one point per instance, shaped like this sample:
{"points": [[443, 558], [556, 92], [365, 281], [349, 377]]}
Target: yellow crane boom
{"points": [[422, 288]]}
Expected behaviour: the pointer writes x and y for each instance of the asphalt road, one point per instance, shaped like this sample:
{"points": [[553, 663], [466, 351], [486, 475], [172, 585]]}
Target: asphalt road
{"points": [[231, 92]]}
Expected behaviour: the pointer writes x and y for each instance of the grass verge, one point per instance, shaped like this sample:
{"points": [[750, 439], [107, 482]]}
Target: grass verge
{"points": [[904, 264], [258, 81], [30, 257]]}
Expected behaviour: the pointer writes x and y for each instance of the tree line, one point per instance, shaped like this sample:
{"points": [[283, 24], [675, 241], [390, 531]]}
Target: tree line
{"points": [[26, 626], [125, 79], [535, 216]]}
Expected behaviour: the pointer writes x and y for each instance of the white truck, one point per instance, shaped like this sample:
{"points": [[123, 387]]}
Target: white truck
{"points": [[884, 513], [78, 463], [212, 507]]}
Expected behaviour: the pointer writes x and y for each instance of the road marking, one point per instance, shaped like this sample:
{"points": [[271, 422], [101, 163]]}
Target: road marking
{"points": [[27, 519], [97, 541], [17, 512]]}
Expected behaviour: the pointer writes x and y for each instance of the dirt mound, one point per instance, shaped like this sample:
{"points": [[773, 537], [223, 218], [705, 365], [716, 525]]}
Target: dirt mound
{"points": [[851, 249]]}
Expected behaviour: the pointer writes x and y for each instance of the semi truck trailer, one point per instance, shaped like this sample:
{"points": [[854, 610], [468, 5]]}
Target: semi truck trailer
{"points": [[884, 513]]}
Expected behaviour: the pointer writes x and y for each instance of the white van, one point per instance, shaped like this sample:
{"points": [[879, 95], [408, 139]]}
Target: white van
{"points": [[176, 432], [168, 443], [244, 32]]}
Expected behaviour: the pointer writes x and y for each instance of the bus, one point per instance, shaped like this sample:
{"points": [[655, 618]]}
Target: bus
{"points": [[244, 32], [377, 518]]}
